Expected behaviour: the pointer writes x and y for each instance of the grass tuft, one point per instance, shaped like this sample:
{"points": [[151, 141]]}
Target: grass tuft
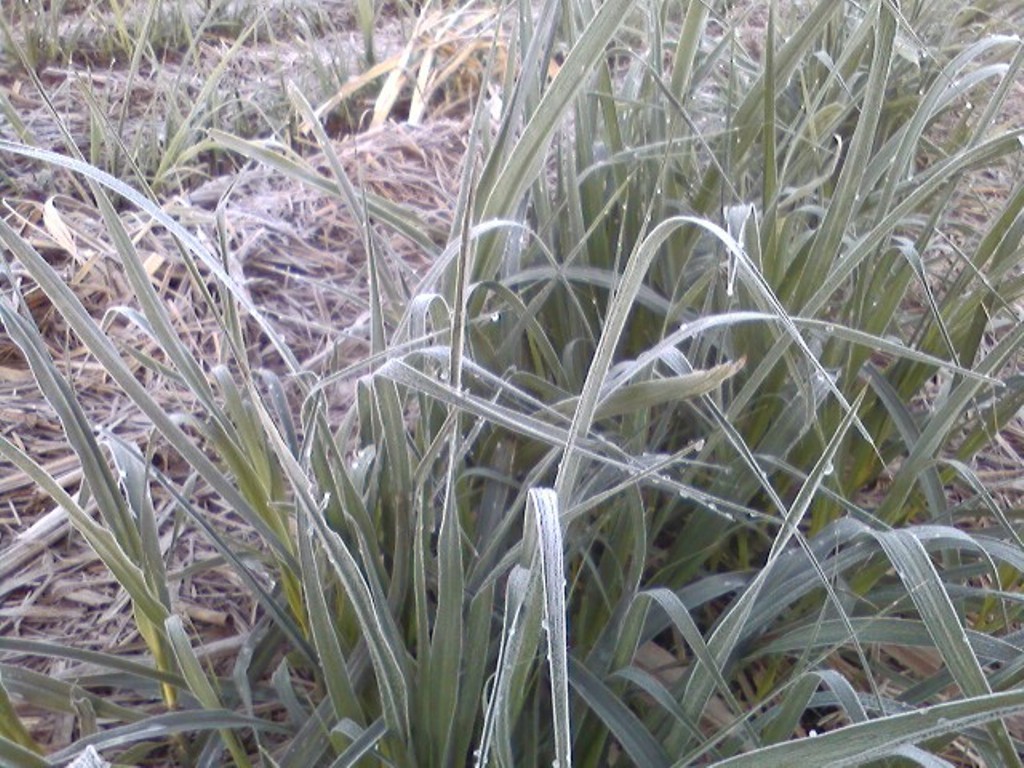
{"points": [[658, 408]]}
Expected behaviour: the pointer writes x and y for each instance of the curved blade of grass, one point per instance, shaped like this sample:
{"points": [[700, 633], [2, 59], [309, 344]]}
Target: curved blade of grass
{"points": [[14, 755], [362, 744], [924, 585], [695, 328], [661, 695], [11, 727], [164, 727], [880, 738], [985, 496], [93, 659], [847, 699], [949, 85], [637, 742], [619, 309], [786, 718], [53, 695], [630, 398], [887, 631]]}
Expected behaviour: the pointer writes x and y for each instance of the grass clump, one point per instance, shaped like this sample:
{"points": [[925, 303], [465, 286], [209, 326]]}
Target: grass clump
{"points": [[669, 458]]}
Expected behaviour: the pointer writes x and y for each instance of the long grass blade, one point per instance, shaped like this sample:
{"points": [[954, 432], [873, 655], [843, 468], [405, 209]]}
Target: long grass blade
{"points": [[543, 502], [880, 738]]}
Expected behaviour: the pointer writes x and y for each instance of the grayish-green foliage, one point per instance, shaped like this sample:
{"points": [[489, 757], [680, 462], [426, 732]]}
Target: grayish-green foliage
{"points": [[608, 502]]}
